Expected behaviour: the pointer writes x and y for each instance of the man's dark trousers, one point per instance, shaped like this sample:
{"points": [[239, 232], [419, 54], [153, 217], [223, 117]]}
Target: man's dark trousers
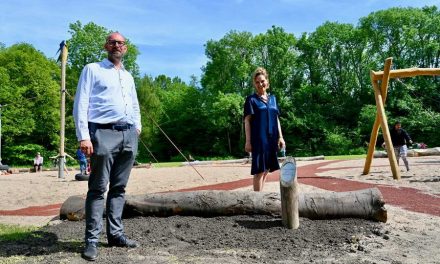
{"points": [[114, 151]]}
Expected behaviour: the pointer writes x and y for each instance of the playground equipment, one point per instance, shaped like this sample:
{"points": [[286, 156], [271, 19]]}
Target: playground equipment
{"points": [[380, 95]]}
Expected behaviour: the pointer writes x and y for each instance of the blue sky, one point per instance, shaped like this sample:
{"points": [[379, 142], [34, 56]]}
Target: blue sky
{"points": [[171, 34]]}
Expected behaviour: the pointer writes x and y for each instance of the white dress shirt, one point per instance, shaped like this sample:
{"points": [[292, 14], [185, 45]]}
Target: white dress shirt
{"points": [[105, 95]]}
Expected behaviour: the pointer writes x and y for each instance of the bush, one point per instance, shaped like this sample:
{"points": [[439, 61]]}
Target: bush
{"points": [[357, 151], [336, 143], [24, 154]]}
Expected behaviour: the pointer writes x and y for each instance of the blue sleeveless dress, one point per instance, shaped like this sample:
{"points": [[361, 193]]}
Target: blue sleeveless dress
{"points": [[264, 132]]}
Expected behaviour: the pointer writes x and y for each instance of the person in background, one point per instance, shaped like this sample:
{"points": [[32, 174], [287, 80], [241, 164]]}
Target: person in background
{"points": [[108, 123], [82, 159], [400, 138], [263, 130], [38, 162]]}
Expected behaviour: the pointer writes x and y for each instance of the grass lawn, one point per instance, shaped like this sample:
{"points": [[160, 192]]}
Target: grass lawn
{"points": [[345, 157], [167, 164], [15, 232]]}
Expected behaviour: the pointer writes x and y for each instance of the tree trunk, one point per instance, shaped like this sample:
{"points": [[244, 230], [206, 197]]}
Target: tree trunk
{"points": [[367, 204], [229, 142]]}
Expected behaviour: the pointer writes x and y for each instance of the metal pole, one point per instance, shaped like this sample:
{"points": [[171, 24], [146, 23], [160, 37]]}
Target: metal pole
{"points": [[62, 156]]}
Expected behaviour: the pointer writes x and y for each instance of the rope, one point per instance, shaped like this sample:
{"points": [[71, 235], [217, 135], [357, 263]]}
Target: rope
{"points": [[163, 132], [148, 150]]}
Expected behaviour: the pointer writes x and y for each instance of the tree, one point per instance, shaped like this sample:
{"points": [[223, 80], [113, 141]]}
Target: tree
{"points": [[86, 45], [226, 116], [151, 108], [276, 51], [338, 50], [230, 64], [411, 36], [30, 90], [181, 116]]}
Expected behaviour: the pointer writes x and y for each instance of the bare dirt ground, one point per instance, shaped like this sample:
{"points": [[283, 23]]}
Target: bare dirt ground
{"points": [[407, 237]]}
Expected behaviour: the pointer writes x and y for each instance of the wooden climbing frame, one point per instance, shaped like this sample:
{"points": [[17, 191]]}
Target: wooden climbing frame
{"points": [[380, 94]]}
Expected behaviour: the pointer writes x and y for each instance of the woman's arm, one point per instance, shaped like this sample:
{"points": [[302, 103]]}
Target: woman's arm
{"points": [[247, 130], [281, 142]]}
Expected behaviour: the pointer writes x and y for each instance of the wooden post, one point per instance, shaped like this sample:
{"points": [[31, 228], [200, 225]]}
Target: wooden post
{"points": [[375, 130], [62, 156], [386, 132], [289, 194]]}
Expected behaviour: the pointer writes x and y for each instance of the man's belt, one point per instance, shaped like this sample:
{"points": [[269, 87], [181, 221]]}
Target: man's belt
{"points": [[118, 126]]}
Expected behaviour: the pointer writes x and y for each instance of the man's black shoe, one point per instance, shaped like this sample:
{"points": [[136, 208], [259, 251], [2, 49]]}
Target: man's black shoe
{"points": [[122, 241], [90, 252]]}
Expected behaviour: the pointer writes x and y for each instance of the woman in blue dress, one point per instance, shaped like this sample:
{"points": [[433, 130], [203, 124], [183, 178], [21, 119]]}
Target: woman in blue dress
{"points": [[263, 130]]}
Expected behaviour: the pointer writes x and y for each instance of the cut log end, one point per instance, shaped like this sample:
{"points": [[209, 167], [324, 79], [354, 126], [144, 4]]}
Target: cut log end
{"points": [[381, 215]]}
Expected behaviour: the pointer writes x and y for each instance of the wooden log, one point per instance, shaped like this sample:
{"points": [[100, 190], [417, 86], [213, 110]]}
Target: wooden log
{"points": [[412, 152], [366, 204], [289, 194], [204, 203], [425, 152], [73, 208]]}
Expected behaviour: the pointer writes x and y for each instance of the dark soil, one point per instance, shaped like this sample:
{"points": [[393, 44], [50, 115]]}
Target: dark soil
{"points": [[236, 239]]}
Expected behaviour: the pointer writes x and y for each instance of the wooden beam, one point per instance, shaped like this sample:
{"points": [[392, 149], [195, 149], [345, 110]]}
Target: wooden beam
{"points": [[405, 73], [375, 130], [386, 132]]}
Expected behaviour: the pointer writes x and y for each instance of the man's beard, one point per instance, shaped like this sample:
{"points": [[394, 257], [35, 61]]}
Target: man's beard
{"points": [[115, 56]]}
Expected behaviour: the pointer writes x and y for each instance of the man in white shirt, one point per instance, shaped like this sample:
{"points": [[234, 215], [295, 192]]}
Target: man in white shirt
{"points": [[107, 120]]}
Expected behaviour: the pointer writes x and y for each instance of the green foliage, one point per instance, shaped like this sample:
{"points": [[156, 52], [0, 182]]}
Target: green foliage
{"points": [[87, 46], [336, 143], [149, 101], [179, 113], [276, 51], [226, 116], [30, 95], [24, 154], [229, 64]]}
